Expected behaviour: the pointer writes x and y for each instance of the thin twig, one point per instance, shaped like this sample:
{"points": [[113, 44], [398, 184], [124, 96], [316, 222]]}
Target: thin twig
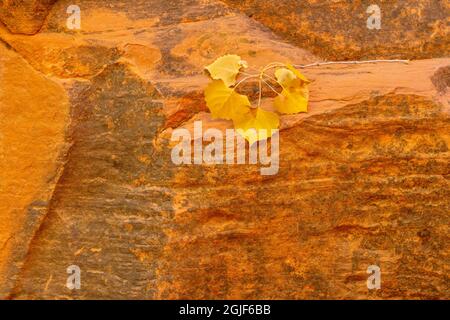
{"points": [[244, 79], [348, 62], [273, 79]]}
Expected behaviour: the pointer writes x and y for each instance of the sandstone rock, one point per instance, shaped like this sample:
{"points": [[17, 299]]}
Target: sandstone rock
{"points": [[24, 16], [87, 178]]}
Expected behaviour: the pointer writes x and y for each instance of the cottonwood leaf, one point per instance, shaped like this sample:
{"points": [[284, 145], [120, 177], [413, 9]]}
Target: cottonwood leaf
{"points": [[226, 68], [285, 77], [298, 73], [257, 125], [295, 94], [224, 102]]}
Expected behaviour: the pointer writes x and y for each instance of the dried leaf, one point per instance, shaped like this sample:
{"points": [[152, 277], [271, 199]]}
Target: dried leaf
{"points": [[224, 102], [257, 125], [295, 94]]}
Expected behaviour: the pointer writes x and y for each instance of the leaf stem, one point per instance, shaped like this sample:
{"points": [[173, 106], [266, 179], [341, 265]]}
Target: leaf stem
{"points": [[271, 78], [261, 79], [260, 87]]}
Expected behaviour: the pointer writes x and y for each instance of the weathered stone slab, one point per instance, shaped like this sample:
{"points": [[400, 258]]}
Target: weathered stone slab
{"points": [[24, 16], [34, 116]]}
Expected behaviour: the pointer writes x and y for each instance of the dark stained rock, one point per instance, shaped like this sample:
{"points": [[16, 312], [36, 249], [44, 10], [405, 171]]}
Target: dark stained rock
{"points": [[337, 30]]}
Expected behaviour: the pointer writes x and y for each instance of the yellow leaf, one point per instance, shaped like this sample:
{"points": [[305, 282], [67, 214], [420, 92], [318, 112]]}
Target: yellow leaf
{"points": [[257, 125], [226, 68], [224, 102], [295, 94]]}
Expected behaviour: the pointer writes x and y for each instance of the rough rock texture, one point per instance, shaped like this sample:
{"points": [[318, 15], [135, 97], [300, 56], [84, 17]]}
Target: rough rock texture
{"points": [[87, 179], [24, 16], [337, 30]]}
